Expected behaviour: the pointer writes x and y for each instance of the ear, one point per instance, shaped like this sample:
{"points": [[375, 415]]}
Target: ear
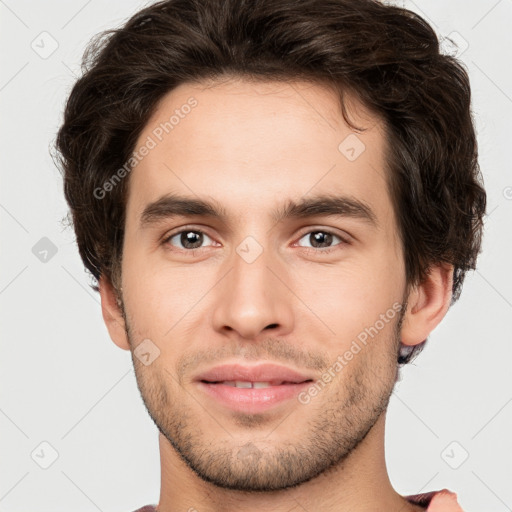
{"points": [[427, 304], [112, 315]]}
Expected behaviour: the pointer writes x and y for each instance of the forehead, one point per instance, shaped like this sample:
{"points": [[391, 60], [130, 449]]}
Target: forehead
{"points": [[250, 145]]}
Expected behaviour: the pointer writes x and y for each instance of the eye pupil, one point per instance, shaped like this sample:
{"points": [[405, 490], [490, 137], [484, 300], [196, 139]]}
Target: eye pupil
{"points": [[325, 239], [187, 237]]}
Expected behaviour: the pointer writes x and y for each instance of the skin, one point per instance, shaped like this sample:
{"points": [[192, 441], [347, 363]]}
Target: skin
{"points": [[251, 147]]}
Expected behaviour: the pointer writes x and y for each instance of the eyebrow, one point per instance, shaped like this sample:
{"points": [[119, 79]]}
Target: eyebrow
{"points": [[174, 205]]}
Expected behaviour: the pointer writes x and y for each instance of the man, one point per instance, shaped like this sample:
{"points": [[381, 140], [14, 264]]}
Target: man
{"points": [[279, 201]]}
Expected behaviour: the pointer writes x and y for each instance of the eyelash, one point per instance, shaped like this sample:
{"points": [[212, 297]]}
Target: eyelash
{"points": [[328, 250]]}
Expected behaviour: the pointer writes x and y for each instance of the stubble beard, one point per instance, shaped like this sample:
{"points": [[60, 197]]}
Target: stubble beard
{"points": [[340, 422]]}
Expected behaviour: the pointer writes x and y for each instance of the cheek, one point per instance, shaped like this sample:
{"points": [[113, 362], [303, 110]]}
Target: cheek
{"points": [[351, 298], [160, 298]]}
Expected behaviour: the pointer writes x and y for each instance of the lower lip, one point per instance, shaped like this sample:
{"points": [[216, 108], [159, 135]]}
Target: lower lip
{"points": [[252, 400]]}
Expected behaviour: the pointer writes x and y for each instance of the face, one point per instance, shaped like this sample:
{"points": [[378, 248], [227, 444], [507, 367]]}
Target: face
{"points": [[296, 263]]}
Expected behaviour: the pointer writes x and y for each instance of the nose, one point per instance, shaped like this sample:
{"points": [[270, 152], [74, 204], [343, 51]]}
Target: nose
{"points": [[253, 298]]}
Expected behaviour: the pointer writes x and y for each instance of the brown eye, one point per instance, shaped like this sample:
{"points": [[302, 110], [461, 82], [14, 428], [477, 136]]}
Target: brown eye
{"points": [[320, 239], [187, 239]]}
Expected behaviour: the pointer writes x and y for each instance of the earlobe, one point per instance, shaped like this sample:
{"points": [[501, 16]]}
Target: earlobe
{"points": [[427, 304], [112, 315]]}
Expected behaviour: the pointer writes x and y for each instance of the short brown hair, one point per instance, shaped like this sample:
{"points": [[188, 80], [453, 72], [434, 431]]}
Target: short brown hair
{"points": [[387, 56]]}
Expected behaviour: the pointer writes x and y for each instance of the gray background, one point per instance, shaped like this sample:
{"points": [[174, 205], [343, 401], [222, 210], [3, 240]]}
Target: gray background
{"points": [[65, 383]]}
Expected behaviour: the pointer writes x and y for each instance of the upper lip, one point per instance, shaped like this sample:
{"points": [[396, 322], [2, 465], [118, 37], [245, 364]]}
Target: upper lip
{"points": [[272, 373]]}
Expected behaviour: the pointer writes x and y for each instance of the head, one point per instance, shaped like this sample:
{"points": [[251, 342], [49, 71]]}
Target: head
{"points": [[281, 181]]}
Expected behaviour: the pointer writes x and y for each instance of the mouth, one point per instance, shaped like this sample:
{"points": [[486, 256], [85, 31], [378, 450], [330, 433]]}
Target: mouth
{"points": [[252, 397], [252, 388], [253, 385]]}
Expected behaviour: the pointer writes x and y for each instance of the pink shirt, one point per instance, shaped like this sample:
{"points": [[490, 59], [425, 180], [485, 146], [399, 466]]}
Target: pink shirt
{"points": [[435, 501]]}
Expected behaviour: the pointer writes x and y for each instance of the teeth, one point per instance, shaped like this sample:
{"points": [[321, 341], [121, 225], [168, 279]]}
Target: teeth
{"points": [[244, 384], [241, 384], [261, 385]]}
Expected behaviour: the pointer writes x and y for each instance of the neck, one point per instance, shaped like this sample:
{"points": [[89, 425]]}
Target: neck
{"points": [[359, 484]]}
